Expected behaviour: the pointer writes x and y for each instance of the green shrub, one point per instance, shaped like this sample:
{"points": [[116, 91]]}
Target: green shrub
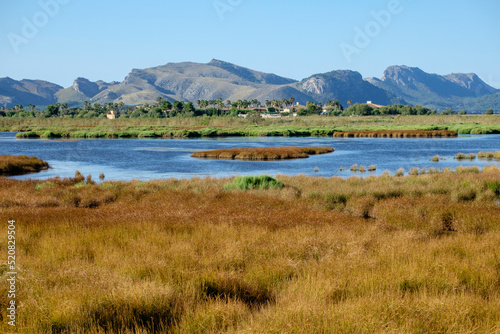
{"points": [[494, 186], [254, 182]]}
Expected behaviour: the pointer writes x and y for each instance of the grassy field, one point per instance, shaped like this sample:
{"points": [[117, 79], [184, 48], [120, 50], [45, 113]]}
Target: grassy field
{"points": [[231, 126], [21, 164], [387, 254], [263, 153]]}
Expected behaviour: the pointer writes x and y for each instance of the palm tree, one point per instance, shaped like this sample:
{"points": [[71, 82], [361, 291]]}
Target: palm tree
{"points": [[228, 103], [349, 102], [291, 100], [277, 104], [285, 101], [239, 103]]}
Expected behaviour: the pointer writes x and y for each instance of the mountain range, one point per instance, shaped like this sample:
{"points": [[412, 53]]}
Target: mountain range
{"points": [[190, 81]]}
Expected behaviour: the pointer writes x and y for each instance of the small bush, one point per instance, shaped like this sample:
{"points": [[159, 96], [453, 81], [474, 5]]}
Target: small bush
{"points": [[494, 186], [414, 171], [79, 177], [335, 201], [463, 156], [400, 172], [254, 182]]}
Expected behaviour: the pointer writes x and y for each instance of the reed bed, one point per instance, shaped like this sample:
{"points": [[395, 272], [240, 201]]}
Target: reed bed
{"points": [[263, 153], [465, 156], [396, 134], [21, 164], [489, 155], [383, 254]]}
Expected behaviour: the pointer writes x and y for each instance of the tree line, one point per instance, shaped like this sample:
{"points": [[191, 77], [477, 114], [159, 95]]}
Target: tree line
{"points": [[165, 108]]}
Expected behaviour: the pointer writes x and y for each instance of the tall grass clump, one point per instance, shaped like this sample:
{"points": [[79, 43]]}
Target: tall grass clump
{"points": [[254, 182], [489, 155], [463, 156], [400, 172]]}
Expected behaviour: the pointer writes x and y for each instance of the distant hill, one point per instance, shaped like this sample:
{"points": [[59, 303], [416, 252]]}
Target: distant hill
{"points": [[432, 90], [345, 85], [25, 92], [190, 81]]}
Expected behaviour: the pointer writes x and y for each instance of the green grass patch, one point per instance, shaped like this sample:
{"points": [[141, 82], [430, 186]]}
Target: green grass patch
{"points": [[254, 182]]}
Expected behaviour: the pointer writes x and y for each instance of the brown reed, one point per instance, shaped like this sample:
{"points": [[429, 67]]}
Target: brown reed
{"points": [[263, 153], [396, 134], [21, 164]]}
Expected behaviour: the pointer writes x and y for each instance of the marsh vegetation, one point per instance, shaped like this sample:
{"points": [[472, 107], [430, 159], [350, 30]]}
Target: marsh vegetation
{"points": [[20, 164], [263, 153], [299, 254], [192, 127]]}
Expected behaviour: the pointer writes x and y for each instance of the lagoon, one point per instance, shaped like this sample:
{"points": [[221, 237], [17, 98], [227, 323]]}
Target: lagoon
{"points": [[146, 159]]}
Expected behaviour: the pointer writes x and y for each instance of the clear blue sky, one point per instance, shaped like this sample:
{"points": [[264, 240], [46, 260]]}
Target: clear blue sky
{"points": [[106, 39]]}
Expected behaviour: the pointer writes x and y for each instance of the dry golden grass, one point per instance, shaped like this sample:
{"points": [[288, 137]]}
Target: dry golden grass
{"points": [[21, 164], [414, 254], [397, 134], [263, 153]]}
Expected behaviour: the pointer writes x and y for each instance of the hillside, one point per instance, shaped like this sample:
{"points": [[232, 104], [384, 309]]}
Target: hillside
{"points": [[456, 91], [36, 92], [345, 85], [188, 81]]}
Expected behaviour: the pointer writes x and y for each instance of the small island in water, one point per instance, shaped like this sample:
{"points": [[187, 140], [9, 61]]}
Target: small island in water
{"points": [[263, 153], [21, 164]]}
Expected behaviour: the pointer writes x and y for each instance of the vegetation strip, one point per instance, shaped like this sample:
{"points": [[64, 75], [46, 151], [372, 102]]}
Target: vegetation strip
{"points": [[192, 127], [397, 134], [21, 164], [263, 153]]}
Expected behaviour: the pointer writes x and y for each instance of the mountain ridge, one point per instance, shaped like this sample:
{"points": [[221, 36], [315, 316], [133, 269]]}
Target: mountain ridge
{"points": [[190, 81]]}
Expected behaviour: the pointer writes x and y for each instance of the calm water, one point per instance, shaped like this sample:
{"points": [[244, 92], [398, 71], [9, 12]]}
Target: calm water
{"points": [[126, 159]]}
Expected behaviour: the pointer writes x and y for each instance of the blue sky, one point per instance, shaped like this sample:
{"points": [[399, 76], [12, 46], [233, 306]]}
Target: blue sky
{"points": [[106, 39]]}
